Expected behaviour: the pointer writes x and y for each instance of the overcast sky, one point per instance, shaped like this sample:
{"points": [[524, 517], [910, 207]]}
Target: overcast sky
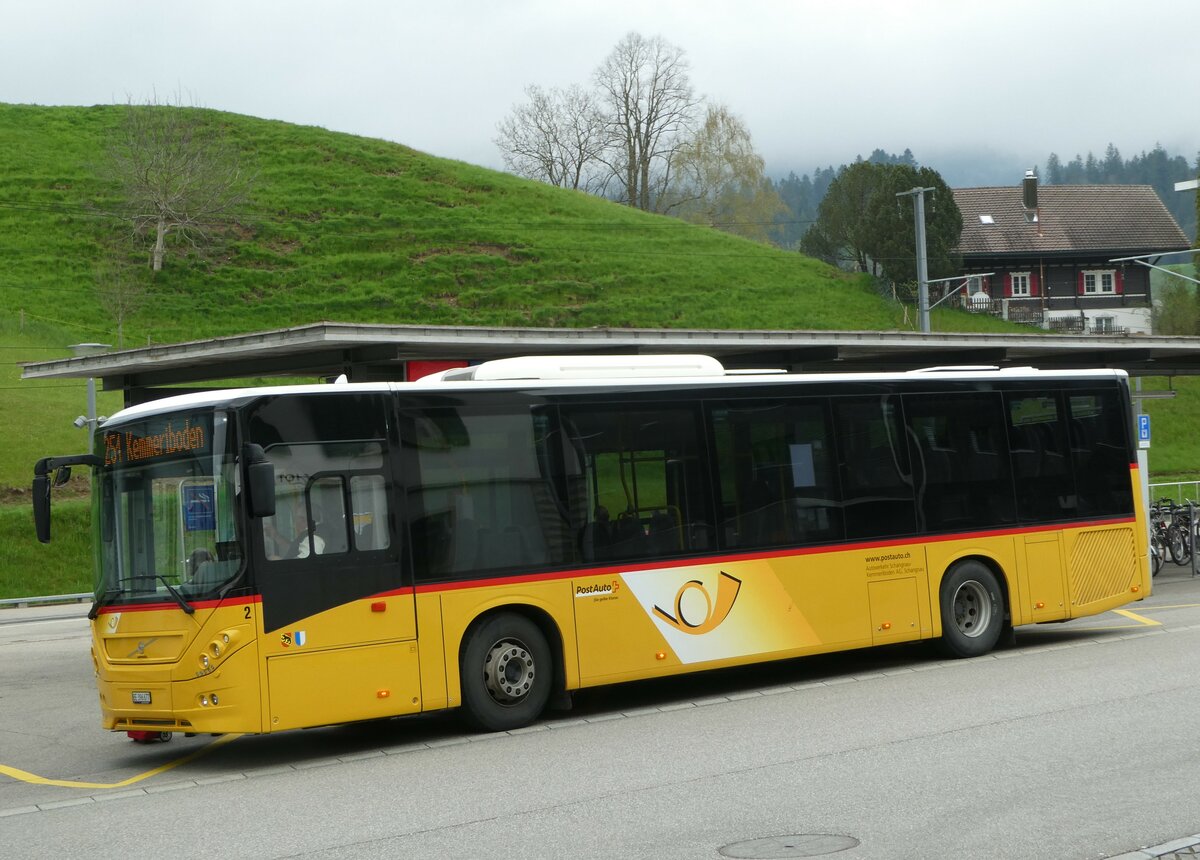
{"points": [[816, 81]]}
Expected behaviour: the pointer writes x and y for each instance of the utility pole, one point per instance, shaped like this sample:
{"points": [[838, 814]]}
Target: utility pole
{"points": [[90, 421], [918, 195]]}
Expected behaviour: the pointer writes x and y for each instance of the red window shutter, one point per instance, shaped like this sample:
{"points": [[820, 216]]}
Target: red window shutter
{"points": [[1080, 289], [1034, 286], [1008, 285], [1119, 281]]}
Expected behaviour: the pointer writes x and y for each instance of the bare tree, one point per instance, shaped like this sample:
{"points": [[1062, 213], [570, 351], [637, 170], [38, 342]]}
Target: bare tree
{"points": [[557, 137], [176, 172], [121, 291], [656, 142], [650, 108], [719, 179]]}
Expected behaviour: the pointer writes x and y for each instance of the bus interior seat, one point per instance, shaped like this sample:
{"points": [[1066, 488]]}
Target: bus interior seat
{"points": [[663, 535], [628, 537]]}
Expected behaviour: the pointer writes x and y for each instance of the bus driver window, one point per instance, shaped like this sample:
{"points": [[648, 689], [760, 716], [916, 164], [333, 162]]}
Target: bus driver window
{"points": [[294, 538]]}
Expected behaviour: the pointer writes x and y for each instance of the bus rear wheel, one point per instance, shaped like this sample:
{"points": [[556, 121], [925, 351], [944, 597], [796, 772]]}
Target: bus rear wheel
{"points": [[972, 610], [507, 673]]}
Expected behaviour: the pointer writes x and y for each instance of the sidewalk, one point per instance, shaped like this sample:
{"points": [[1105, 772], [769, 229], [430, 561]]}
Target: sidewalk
{"points": [[54, 611]]}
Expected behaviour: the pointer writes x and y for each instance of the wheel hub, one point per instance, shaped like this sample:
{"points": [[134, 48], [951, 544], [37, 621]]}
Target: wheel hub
{"points": [[972, 609], [508, 672]]}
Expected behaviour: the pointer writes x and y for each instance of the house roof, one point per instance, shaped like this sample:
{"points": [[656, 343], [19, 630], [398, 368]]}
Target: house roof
{"points": [[1110, 219]]}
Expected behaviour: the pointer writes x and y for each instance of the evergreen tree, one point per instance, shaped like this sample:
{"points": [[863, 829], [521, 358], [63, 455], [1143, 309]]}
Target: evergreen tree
{"points": [[1113, 168], [1073, 173], [861, 221], [1054, 170], [1155, 168]]}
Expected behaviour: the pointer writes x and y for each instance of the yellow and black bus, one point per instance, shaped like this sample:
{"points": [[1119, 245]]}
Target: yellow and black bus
{"points": [[496, 535]]}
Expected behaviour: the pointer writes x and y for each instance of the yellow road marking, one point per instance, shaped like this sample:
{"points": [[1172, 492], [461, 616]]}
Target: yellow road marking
{"points": [[34, 779], [1133, 616]]}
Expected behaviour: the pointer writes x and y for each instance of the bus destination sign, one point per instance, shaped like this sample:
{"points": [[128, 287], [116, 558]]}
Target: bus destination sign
{"points": [[132, 446]]}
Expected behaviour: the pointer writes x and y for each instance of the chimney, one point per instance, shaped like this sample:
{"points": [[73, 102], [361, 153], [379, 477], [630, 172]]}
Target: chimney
{"points": [[1029, 198]]}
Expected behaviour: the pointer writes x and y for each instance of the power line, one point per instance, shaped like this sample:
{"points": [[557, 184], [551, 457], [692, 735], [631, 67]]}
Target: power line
{"points": [[667, 222]]}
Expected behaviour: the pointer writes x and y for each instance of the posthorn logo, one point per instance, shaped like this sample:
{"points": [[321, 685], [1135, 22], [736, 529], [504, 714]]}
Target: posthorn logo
{"points": [[688, 618]]}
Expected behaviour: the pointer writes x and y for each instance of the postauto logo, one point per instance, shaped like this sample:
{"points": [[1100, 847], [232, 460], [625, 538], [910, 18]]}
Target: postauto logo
{"points": [[687, 618]]}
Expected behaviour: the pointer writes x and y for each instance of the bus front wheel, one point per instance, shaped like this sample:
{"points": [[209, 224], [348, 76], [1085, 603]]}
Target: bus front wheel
{"points": [[507, 673], [972, 610]]}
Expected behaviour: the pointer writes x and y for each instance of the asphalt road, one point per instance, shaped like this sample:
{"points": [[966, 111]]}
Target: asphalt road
{"points": [[1079, 742]]}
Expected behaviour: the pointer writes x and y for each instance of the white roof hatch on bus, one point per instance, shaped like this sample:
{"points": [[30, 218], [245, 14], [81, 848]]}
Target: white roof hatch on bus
{"points": [[587, 367]]}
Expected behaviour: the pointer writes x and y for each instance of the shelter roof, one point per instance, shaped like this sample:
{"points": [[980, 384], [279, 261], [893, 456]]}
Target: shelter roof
{"points": [[379, 352]]}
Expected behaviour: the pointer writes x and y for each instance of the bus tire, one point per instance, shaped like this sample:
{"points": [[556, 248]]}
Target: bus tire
{"points": [[507, 673], [972, 610]]}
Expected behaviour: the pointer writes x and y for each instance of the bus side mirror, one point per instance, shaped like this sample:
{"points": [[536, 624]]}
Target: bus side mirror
{"points": [[260, 481], [262, 490], [41, 507], [60, 468]]}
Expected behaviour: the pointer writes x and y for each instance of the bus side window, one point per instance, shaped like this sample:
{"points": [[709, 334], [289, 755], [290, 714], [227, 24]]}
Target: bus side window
{"points": [[873, 462], [776, 470], [482, 489], [960, 461], [312, 500], [646, 494], [327, 500], [368, 499], [1045, 487], [1100, 450]]}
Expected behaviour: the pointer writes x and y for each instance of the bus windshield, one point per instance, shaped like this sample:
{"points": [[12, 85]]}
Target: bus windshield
{"points": [[163, 510]]}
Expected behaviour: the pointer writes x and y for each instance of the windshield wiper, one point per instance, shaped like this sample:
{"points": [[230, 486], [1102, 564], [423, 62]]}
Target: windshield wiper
{"points": [[183, 604], [106, 597], [103, 599]]}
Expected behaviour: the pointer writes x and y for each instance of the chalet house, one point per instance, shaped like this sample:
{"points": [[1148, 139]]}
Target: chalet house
{"points": [[1051, 252]]}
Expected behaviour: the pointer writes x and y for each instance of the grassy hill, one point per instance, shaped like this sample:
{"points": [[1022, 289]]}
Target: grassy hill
{"points": [[347, 228], [354, 230]]}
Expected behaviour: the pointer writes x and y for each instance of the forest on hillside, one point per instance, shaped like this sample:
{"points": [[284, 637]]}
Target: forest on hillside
{"points": [[1156, 168]]}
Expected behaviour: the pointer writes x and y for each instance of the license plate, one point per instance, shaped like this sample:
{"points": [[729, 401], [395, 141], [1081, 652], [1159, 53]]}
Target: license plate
{"points": [[141, 698]]}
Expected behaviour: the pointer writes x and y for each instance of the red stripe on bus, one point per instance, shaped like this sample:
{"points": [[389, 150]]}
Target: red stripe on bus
{"points": [[171, 604], [783, 552]]}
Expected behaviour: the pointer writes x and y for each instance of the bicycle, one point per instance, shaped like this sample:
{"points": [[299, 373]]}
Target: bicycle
{"points": [[1180, 532], [1157, 552], [1162, 534]]}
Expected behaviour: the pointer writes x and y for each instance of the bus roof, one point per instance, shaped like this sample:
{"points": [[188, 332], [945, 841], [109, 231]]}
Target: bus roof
{"points": [[551, 372]]}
